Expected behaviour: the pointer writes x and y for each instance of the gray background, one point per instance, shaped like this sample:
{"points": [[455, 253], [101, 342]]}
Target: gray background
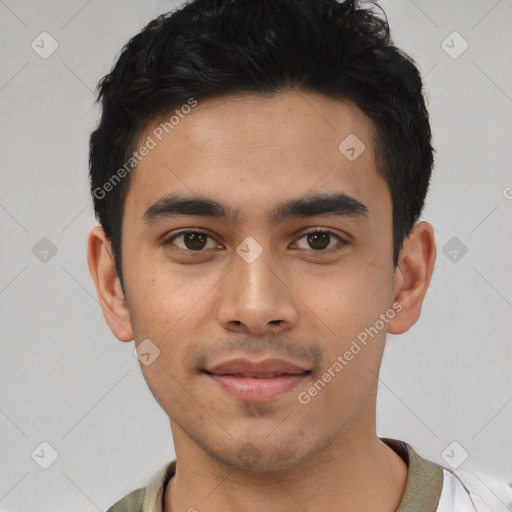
{"points": [[66, 380]]}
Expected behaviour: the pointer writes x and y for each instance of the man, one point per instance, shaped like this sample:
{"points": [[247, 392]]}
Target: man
{"points": [[258, 172]]}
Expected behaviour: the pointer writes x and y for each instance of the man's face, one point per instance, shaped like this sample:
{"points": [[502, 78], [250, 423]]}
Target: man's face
{"points": [[254, 288]]}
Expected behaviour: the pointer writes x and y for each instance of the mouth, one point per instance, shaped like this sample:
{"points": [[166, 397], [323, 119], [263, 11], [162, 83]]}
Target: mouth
{"points": [[257, 381]]}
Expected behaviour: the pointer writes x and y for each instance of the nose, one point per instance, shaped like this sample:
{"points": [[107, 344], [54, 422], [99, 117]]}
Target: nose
{"points": [[256, 298]]}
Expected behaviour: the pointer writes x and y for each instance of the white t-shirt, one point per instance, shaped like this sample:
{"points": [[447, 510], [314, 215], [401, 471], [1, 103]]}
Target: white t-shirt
{"points": [[469, 492]]}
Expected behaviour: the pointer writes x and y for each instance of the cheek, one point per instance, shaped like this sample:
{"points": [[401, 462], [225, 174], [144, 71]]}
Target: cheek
{"points": [[163, 298], [349, 305], [347, 298]]}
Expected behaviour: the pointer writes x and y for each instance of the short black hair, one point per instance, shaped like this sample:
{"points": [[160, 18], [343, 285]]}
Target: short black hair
{"points": [[211, 48]]}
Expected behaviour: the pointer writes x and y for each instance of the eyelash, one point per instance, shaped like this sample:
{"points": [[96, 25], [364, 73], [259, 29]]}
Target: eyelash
{"points": [[341, 241]]}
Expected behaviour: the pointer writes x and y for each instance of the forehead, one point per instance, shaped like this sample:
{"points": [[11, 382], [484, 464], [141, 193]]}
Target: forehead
{"points": [[252, 150]]}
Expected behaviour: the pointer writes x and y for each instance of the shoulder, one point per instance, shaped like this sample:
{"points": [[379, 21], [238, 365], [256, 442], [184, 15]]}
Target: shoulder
{"points": [[475, 491], [130, 503], [149, 498], [435, 488]]}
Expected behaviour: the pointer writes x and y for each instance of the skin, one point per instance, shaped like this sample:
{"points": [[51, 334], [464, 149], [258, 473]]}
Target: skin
{"points": [[293, 302]]}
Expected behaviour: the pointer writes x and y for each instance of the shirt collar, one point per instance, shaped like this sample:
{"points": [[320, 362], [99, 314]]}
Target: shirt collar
{"points": [[424, 479], [422, 490], [154, 493]]}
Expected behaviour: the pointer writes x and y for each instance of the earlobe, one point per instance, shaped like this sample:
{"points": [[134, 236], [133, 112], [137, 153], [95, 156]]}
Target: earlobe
{"points": [[412, 276], [108, 287]]}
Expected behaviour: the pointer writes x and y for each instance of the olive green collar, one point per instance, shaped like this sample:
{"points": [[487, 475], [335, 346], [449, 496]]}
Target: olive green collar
{"points": [[422, 491]]}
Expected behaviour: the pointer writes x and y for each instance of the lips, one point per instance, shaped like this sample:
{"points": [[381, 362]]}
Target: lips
{"points": [[257, 381]]}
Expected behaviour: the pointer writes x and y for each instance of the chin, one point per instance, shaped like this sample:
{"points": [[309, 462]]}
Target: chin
{"points": [[262, 456], [277, 463]]}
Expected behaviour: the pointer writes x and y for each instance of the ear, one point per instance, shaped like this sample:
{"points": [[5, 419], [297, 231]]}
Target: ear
{"points": [[412, 276], [108, 286]]}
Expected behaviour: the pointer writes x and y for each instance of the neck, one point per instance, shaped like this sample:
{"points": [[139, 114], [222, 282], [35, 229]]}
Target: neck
{"points": [[358, 472]]}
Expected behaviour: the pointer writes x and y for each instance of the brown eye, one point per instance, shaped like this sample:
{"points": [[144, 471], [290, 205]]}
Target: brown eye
{"points": [[191, 241], [320, 240], [194, 241]]}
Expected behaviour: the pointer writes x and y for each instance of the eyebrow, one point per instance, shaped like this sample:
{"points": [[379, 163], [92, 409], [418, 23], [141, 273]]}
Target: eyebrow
{"points": [[339, 204]]}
